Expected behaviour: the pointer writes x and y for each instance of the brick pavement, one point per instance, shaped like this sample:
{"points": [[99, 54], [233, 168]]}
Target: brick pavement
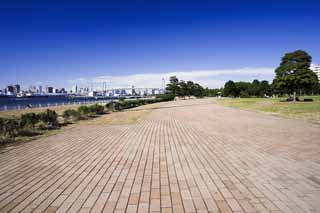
{"points": [[185, 156]]}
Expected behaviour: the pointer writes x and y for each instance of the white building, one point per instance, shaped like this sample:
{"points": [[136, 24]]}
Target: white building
{"points": [[74, 89], [316, 68]]}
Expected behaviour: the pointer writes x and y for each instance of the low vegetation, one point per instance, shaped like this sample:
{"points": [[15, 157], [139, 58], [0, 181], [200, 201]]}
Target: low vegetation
{"points": [[31, 124]]}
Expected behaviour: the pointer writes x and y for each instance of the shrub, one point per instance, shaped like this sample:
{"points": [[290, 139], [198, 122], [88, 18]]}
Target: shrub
{"points": [[27, 132], [1, 126], [96, 109], [165, 97], [49, 118], [244, 94], [11, 127], [110, 106], [70, 115], [308, 100], [83, 111], [29, 120], [118, 105]]}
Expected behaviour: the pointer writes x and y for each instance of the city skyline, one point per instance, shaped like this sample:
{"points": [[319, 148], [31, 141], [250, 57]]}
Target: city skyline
{"points": [[137, 42]]}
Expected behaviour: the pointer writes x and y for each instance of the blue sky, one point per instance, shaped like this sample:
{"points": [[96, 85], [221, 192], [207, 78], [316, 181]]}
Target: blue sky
{"points": [[61, 43]]}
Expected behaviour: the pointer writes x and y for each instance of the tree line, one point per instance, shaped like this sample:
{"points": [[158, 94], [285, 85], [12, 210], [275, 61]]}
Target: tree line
{"points": [[293, 76], [183, 89]]}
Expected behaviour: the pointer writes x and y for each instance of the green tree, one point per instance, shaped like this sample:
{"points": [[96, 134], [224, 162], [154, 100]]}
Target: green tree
{"points": [[190, 86], [173, 86], [198, 91], [294, 73], [265, 88], [254, 88], [230, 89], [183, 89]]}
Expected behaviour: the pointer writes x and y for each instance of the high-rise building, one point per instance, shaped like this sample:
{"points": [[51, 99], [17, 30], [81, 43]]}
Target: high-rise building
{"points": [[75, 89], [13, 89], [49, 89], [17, 88], [316, 68], [39, 89]]}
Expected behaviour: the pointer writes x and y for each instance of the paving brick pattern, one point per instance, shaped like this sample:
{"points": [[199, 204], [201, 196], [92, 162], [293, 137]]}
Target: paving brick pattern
{"points": [[185, 156]]}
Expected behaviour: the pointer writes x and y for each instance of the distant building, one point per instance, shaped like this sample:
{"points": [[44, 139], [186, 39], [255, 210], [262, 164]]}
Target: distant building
{"points": [[49, 90], [75, 89], [92, 94], [13, 89], [316, 68], [10, 89], [62, 90], [40, 89], [17, 88], [33, 89]]}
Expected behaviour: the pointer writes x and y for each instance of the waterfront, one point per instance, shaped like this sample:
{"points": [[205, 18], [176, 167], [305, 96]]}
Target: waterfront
{"points": [[14, 103]]}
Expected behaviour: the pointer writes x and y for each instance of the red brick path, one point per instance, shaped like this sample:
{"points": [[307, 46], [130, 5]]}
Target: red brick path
{"points": [[185, 156]]}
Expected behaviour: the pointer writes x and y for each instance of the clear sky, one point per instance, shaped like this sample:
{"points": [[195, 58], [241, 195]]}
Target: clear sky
{"points": [[60, 43]]}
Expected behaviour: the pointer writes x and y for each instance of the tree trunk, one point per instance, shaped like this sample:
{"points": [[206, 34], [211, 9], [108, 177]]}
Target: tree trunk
{"points": [[294, 96]]}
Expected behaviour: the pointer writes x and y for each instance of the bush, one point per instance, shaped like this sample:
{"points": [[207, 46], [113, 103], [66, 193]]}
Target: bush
{"points": [[110, 106], [11, 127], [49, 118], [1, 126], [96, 109], [118, 105], [308, 100], [165, 97], [29, 120], [71, 115], [83, 111], [27, 132], [244, 94]]}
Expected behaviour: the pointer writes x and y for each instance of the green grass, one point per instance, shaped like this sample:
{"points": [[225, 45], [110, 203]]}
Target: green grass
{"points": [[309, 111]]}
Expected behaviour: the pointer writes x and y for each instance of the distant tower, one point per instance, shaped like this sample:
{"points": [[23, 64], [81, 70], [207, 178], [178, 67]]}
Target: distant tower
{"points": [[163, 84]]}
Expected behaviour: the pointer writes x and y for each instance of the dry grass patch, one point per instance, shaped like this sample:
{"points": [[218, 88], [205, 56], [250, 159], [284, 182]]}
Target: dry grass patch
{"points": [[18, 113]]}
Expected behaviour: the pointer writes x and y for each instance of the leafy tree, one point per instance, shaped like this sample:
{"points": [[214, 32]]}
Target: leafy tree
{"points": [[173, 86], [254, 88], [183, 89], [230, 89], [198, 91], [242, 87], [265, 89], [190, 86], [294, 73]]}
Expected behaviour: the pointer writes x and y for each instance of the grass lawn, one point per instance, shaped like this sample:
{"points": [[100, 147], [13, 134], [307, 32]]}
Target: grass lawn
{"points": [[309, 111]]}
